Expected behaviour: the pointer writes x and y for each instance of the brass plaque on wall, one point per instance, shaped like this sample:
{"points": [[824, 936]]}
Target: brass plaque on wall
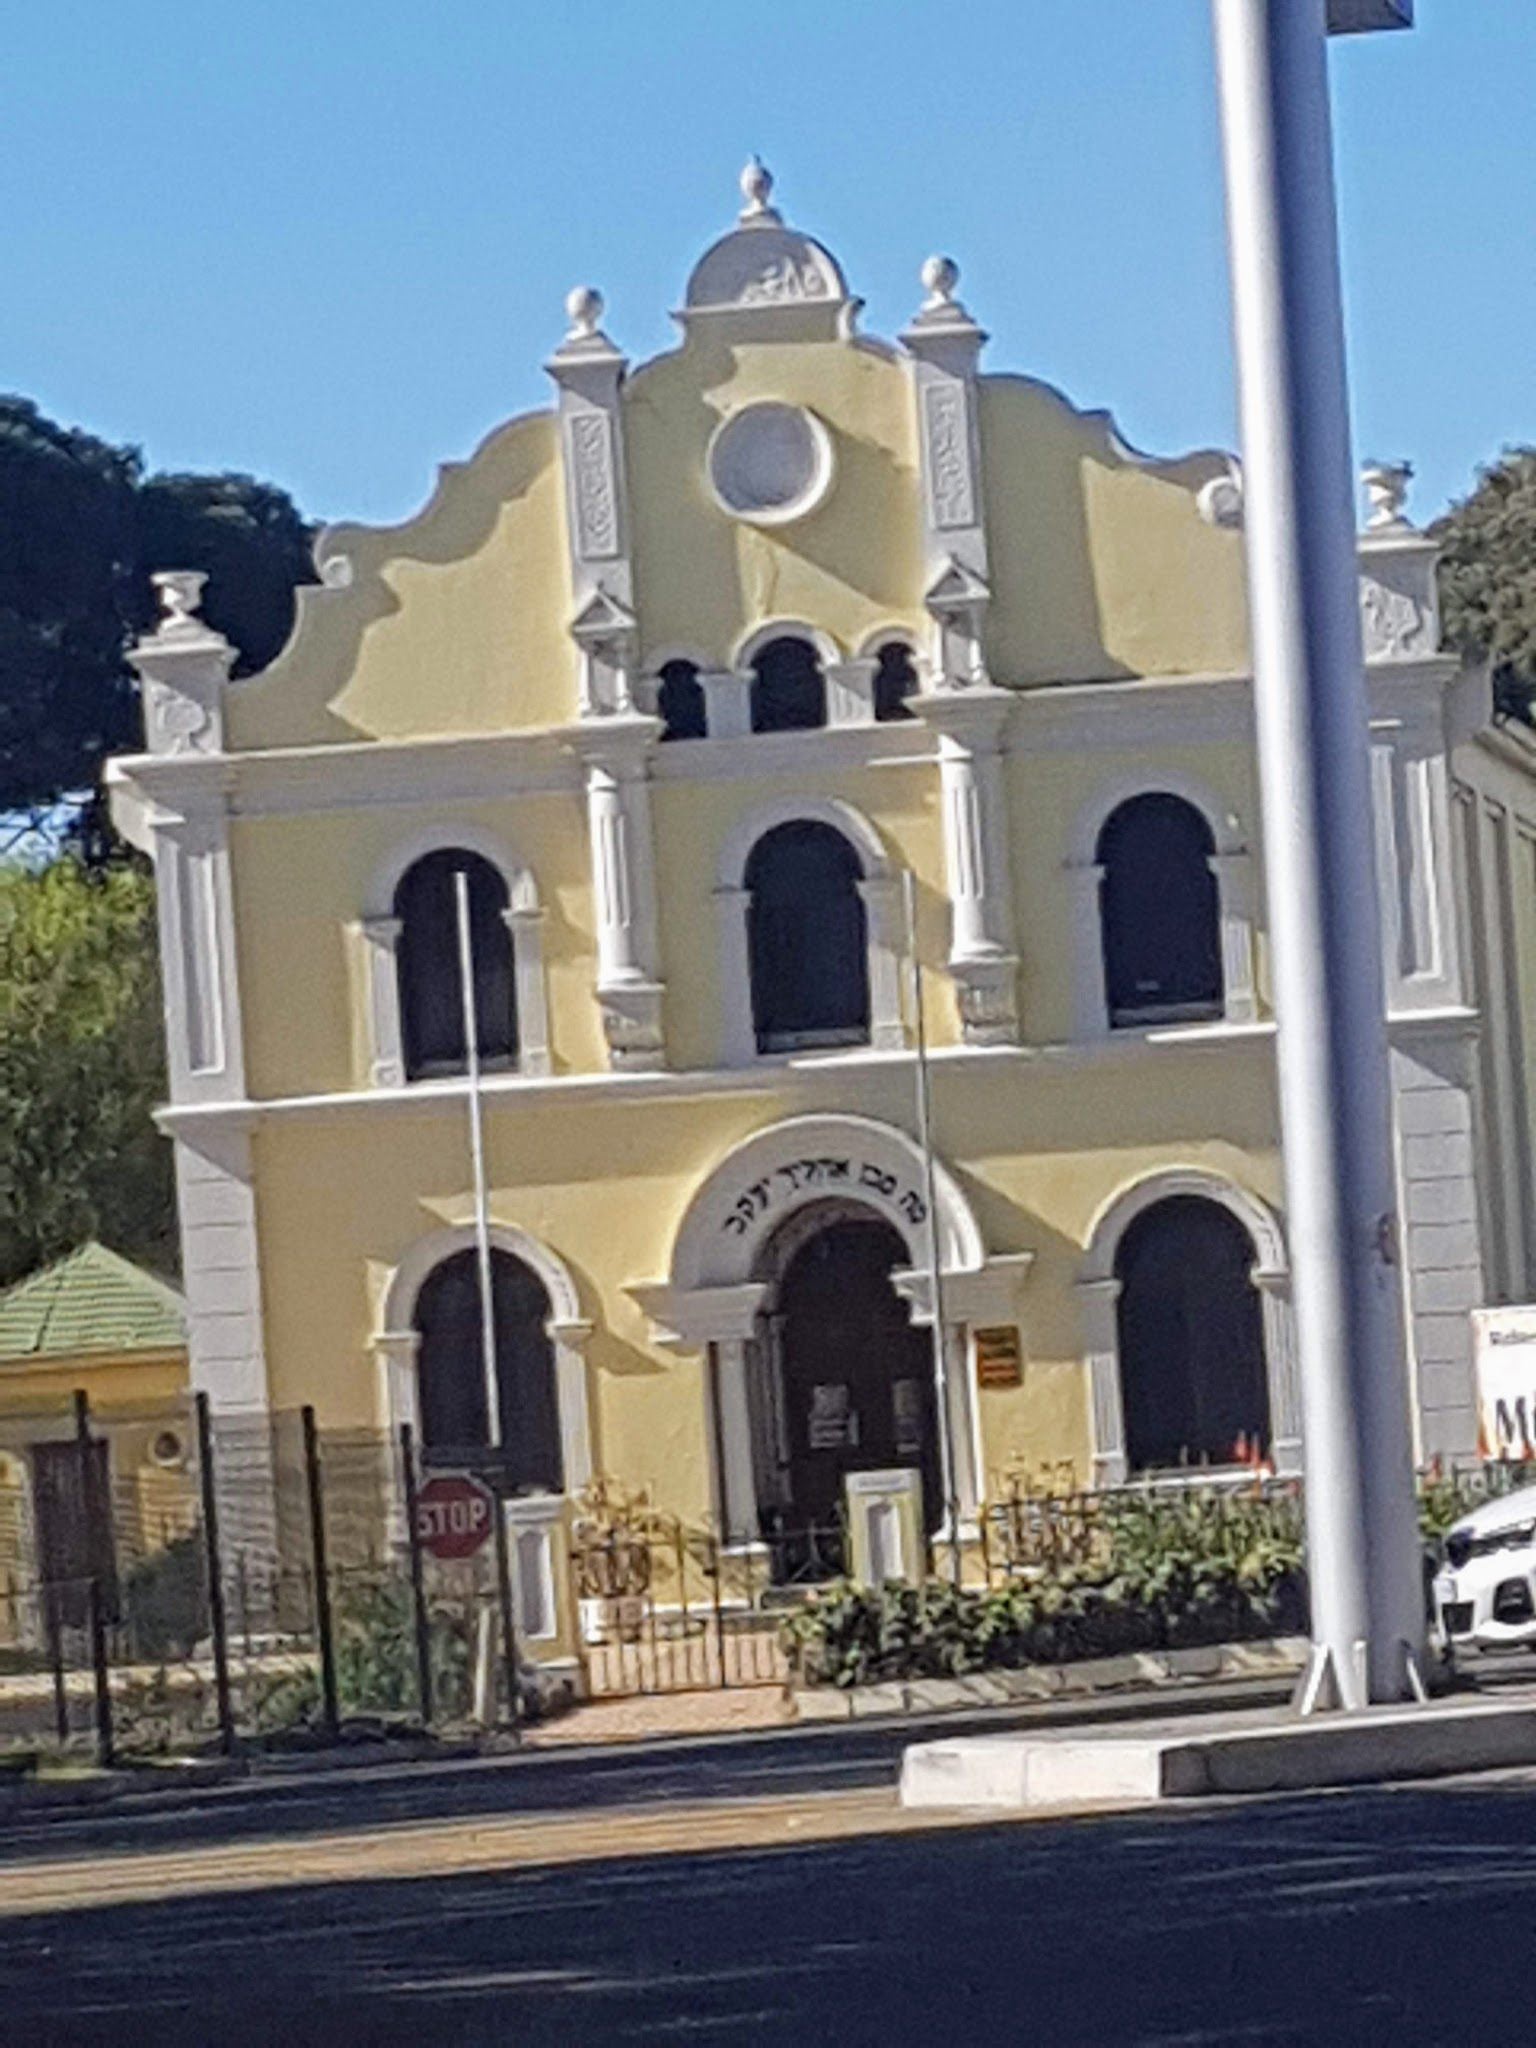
{"points": [[999, 1357]]}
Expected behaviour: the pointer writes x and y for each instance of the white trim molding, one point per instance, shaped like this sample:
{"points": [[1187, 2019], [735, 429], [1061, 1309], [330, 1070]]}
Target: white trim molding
{"points": [[1232, 864], [376, 933], [1098, 1292], [396, 1344], [713, 1297], [879, 889]]}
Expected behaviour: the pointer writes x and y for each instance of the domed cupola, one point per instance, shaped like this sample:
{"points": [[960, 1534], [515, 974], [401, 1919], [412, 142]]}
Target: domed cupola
{"points": [[766, 280]]}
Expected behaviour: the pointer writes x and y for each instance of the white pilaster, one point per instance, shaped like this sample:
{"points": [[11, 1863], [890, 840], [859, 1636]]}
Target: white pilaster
{"points": [[589, 372], [1090, 998], [738, 1037], [982, 959], [381, 966], [735, 1482], [1239, 979], [883, 923], [1285, 1440], [1098, 1309], [851, 691], [943, 346], [727, 702], [614, 759], [525, 922]]}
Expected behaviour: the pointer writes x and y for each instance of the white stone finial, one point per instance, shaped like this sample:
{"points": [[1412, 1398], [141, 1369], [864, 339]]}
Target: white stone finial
{"points": [[756, 185], [1386, 491], [181, 595], [940, 275], [584, 309]]}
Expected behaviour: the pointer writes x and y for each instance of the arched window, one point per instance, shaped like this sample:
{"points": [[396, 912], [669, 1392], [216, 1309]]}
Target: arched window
{"points": [[1192, 1370], [806, 939], [895, 681], [431, 996], [451, 1371], [789, 691], [680, 701], [1159, 913]]}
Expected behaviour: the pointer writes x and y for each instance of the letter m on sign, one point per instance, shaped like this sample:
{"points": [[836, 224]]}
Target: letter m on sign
{"points": [[1511, 1427]]}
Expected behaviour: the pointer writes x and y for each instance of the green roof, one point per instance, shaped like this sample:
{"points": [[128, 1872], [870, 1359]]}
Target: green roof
{"points": [[91, 1301]]}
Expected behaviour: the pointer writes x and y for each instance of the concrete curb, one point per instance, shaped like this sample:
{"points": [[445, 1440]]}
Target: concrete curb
{"points": [[1272, 1657]]}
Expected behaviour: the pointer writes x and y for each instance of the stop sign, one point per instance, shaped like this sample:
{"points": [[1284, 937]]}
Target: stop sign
{"points": [[453, 1515]]}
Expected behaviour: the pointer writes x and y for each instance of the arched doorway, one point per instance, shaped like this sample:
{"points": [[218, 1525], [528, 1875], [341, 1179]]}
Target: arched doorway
{"points": [[451, 1372], [1193, 1380], [845, 1380]]}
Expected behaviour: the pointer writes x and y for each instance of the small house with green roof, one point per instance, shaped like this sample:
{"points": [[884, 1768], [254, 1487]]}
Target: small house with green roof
{"points": [[95, 1321], [92, 1323]]}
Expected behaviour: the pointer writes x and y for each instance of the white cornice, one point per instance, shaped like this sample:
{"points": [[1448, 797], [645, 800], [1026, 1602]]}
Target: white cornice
{"points": [[778, 1078]]}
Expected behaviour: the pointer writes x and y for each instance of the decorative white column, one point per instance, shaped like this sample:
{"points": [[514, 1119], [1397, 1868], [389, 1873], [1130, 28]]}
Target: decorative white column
{"points": [[1090, 997], [381, 966], [589, 372], [944, 346], [738, 1035], [735, 1481], [629, 988], [982, 959], [727, 702], [1280, 1360], [524, 920], [570, 1338], [883, 921], [1234, 889], [1099, 1312], [851, 691]]}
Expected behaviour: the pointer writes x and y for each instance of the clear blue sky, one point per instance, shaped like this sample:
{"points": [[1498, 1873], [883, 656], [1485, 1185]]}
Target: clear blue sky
{"points": [[328, 240]]}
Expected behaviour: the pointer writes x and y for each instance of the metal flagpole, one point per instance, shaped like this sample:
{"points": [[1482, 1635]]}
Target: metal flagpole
{"points": [[477, 1161], [1324, 907], [930, 1197]]}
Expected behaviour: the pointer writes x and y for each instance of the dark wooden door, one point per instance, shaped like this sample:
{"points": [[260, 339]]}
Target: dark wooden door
{"points": [[857, 1377], [73, 1509]]}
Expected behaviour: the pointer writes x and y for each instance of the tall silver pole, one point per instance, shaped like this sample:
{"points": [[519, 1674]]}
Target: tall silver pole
{"points": [[1325, 929], [931, 1200], [477, 1161]]}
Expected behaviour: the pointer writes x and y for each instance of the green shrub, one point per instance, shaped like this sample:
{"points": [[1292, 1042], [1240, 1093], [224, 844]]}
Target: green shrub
{"points": [[1152, 1572], [165, 1602]]}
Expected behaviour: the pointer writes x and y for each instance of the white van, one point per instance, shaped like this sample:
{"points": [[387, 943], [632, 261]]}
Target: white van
{"points": [[1485, 1589]]}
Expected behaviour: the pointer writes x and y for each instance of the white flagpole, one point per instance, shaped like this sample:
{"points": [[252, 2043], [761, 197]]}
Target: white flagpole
{"points": [[930, 1196], [477, 1161]]}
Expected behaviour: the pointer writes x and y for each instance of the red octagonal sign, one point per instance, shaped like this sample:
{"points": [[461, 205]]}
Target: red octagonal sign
{"points": [[453, 1515]]}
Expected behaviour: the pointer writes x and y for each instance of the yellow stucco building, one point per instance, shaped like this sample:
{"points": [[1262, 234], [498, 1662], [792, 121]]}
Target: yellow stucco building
{"points": [[688, 674]]}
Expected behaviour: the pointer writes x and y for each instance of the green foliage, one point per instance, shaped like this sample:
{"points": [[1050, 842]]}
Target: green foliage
{"points": [[375, 1642], [1165, 1572], [1488, 577], [81, 1068], [165, 1602], [81, 529]]}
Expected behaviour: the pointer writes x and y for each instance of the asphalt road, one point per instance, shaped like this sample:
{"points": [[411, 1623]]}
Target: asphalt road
{"points": [[1385, 1916], [788, 1762]]}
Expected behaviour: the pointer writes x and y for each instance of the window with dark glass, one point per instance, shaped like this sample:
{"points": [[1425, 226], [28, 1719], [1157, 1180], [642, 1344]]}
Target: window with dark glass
{"points": [[680, 701], [427, 956], [1159, 911], [451, 1375], [895, 681], [789, 691], [1192, 1374], [806, 937]]}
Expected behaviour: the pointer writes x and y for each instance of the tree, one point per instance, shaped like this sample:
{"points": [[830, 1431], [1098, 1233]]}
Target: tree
{"points": [[81, 530], [81, 1067], [1488, 577]]}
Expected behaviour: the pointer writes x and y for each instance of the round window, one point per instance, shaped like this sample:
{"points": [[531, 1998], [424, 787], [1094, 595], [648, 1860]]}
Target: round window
{"points": [[770, 463]]}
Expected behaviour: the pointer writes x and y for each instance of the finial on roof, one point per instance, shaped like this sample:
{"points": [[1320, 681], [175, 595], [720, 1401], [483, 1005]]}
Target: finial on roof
{"points": [[181, 596], [584, 309], [1386, 492], [940, 275], [756, 184]]}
